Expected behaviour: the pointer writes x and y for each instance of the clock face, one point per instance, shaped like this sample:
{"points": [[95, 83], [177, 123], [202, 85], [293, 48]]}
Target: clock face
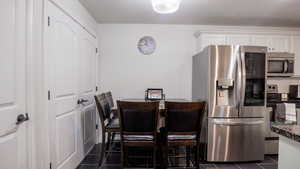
{"points": [[147, 45]]}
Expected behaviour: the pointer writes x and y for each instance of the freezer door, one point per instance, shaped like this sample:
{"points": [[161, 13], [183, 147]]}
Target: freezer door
{"points": [[252, 111], [235, 140]]}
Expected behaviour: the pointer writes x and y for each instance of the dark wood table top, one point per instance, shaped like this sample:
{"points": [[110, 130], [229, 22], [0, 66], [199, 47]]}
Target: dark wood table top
{"points": [[143, 100]]}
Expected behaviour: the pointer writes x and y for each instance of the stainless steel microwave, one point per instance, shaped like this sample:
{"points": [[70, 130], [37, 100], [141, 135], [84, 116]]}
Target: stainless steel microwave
{"points": [[281, 64]]}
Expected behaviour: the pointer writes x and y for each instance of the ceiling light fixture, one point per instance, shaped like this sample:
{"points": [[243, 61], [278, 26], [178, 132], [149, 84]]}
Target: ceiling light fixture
{"points": [[166, 6]]}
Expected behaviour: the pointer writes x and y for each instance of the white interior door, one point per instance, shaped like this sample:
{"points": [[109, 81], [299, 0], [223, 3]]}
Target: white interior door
{"points": [[13, 140], [87, 83], [61, 53]]}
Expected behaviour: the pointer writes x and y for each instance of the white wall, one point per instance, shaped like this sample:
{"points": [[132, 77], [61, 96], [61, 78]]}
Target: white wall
{"points": [[128, 73]]}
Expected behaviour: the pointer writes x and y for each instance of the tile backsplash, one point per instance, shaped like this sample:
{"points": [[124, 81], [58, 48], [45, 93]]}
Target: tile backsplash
{"points": [[284, 83]]}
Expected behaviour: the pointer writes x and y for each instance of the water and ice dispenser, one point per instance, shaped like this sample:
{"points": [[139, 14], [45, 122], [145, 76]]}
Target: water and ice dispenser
{"points": [[225, 92]]}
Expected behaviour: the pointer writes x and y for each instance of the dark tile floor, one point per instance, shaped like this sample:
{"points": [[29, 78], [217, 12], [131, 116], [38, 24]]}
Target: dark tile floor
{"points": [[139, 161]]}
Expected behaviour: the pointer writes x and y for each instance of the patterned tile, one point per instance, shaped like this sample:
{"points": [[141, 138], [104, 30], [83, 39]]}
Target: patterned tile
{"points": [[142, 158], [269, 166], [207, 166], [274, 157], [227, 166], [268, 160], [96, 150], [249, 166], [87, 167], [114, 158], [111, 167], [91, 160]]}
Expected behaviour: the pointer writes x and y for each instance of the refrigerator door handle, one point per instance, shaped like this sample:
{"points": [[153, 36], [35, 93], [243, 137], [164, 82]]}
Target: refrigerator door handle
{"points": [[244, 74], [239, 81], [237, 123]]}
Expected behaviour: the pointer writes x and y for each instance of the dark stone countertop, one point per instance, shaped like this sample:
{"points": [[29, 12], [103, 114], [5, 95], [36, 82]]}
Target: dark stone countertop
{"points": [[272, 103], [288, 130]]}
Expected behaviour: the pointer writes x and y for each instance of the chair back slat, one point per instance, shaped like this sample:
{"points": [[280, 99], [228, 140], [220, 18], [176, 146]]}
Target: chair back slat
{"points": [[100, 109], [138, 117], [109, 99], [184, 116], [104, 105]]}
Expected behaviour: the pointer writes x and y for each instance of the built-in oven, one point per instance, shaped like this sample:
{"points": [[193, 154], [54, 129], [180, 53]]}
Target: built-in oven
{"points": [[281, 64]]}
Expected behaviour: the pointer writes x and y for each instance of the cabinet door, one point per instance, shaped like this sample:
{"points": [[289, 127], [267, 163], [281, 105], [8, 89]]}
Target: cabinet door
{"points": [[296, 50], [260, 40], [61, 53], [212, 39], [280, 43], [238, 40]]}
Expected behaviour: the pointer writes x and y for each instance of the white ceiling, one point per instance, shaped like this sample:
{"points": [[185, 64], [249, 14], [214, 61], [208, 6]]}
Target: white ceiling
{"points": [[204, 12]]}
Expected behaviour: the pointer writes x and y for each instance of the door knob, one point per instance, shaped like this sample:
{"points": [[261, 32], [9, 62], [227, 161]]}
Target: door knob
{"points": [[22, 118], [80, 101]]}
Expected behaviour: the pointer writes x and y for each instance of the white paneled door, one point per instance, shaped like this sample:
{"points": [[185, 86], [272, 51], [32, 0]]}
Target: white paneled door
{"points": [[61, 63], [87, 83], [13, 140], [70, 68]]}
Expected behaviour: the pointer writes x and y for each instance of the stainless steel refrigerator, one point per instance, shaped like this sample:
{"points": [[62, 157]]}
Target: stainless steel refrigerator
{"points": [[232, 79]]}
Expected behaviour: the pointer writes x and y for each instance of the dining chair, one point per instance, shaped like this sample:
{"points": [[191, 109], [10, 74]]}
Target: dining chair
{"points": [[109, 126], [138, 122], [110, 100], [183, 126]]}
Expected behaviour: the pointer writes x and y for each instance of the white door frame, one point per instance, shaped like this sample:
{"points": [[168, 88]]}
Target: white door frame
{"points": [[38, 136]]}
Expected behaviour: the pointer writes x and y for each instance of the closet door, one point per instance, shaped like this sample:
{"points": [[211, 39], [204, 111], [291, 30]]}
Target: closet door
{"points": [[61, 51], [87, 83], [13, 140]]}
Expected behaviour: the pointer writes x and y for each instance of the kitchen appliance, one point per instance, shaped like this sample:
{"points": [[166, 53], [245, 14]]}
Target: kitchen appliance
{"points": [[286, 113], [295, 91], [281, 64], [232, 80], [272, 88]]}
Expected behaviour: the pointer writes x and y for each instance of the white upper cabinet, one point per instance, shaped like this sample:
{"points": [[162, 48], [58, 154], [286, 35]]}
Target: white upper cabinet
{"points": [[296, 50], [261, 40], [238, 39], [280, 43], [211, 39], [275, 43]]}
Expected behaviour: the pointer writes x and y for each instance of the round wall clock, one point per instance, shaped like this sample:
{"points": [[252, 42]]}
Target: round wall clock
{"points": [[147, 45]]}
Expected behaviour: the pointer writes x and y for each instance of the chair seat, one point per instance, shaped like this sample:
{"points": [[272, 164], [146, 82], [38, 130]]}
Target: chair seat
{"points": [[138, 138], [181, 137], [114, 124]]}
